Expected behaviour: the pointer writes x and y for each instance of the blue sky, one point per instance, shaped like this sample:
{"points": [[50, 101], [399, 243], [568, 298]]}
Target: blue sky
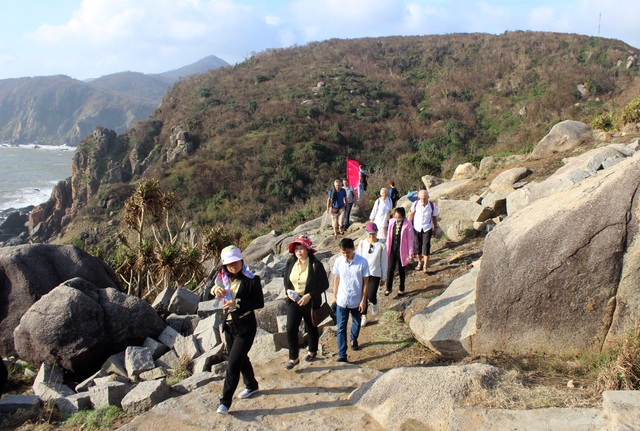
{"points": [[89, 38]]}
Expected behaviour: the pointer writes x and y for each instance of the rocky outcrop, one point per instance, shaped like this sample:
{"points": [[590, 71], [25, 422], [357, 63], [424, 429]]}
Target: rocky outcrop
{"points": [[78, 326], [447, 325], [551, 276], [397, 399], [564, 136], [464, 172], [28, 272]]}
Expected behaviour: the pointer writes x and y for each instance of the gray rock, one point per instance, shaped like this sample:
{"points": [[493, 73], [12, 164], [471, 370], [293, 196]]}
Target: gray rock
{"points": [[219, 370], [574, 419], [169, 336], [537, 289], [275, 286], [622, 408], [194, 382], [162, 300], [109, 394], [176, 321], [115, 365], [49, 392], [444, 190], [430, 181], [209, 339], [48, 374], [88, 382], [205, 361], [111, 378], [169, 360], [464, 171], [267, 316], [27, 272], [563, 137], [282, 323], [263, 348], [28, 404], [144, 396], [154, 374], [396, 406], [74, 403], [137, 360], [184, 301], [448, 324], [157, 348], [187, 348], [78, 325], [509, 177], [208, 308]]}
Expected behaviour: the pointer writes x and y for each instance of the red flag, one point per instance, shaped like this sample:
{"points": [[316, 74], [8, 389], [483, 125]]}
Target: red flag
{"points": [[353, 173]]}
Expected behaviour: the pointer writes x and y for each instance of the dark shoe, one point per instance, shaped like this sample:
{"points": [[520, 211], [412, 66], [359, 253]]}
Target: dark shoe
{"points": [[341, 359], [292, 364], [310, 357], [387, 292], [354, 345]]}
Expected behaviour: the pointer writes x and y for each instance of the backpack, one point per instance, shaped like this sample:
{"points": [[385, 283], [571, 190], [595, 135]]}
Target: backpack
{"points": [[413, 206]]}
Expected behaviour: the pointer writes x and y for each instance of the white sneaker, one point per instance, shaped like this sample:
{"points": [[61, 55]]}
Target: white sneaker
{"points": [[222, 409], [374, 309], [363, 320], [246, 393]]}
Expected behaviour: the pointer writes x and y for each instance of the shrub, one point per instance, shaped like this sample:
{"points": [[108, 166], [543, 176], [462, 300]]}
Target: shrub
{"points": [[102, 418], [631, 112], [606, 121]]}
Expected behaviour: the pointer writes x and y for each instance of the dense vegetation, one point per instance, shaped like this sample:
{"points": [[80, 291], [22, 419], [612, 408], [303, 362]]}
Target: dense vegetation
{"points": [[272, 132]]}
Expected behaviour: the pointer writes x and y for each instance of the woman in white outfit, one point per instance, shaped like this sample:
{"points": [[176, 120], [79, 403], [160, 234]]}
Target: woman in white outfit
{"points": [[375, 252], [380, 213]]}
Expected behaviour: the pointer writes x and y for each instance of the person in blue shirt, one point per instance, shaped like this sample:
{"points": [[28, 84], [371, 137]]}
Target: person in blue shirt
{"points": [[350, 286], [336, 205]]}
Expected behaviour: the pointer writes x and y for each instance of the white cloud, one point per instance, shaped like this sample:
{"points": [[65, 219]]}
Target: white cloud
{"points": [[106, 36]]}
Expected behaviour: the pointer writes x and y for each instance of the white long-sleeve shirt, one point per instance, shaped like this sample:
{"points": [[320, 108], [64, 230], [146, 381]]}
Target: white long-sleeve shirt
{"points": [[377, 259], [380, 215]]}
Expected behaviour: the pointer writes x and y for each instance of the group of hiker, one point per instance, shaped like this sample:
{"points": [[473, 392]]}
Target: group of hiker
{"points": [[358, 273]]}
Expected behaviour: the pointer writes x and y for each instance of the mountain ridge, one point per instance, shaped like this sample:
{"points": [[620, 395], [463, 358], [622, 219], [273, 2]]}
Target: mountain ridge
{"points": [[60, 109]]}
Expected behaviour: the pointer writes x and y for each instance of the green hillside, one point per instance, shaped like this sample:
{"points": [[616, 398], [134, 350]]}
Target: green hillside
{"points": [[266, 137]]}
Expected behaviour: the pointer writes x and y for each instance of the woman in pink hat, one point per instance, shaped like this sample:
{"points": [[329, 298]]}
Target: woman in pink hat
{"points": [[305, 279], [375, 252], [241, 294]]}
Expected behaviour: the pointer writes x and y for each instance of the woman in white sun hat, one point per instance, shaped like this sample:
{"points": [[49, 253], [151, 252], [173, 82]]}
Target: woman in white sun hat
{"points": [[241, 293]]}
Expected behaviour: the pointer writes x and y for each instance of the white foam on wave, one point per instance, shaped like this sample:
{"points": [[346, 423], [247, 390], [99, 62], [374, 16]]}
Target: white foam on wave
{"points": [[26, 196]]}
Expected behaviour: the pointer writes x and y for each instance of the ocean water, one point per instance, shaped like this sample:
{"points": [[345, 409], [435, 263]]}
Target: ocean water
{"points": [[28, 173]]}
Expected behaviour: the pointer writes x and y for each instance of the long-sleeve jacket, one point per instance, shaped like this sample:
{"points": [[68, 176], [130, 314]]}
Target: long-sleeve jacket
{"points": [[317, 280], [406, 240], [248, 299]]}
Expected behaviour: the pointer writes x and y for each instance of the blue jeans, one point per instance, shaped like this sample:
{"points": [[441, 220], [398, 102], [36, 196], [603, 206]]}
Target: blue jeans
{"points": [[342, 316]]}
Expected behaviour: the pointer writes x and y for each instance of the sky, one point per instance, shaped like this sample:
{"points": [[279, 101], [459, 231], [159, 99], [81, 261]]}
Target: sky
{"points": [[90, 38]]}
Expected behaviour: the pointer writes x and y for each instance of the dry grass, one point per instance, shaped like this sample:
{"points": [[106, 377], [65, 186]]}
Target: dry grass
{"points": [[624, 372]]}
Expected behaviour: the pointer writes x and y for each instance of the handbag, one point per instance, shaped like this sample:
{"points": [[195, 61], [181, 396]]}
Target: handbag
{"points": [[319, 315]]}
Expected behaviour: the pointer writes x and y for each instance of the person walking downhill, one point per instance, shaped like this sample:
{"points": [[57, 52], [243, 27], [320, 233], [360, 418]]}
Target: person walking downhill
{"points": [[349, 294], [336, 204], [424, 216], [380, 213], [305, 279], [350, 199], [376, 254], [241, 293], [399, 248], [394, 194]]}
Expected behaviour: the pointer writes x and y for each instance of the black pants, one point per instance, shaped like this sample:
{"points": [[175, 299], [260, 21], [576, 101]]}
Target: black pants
{"points": [[3, 376], [394, 258], [372, 293], [295, 314], [238, 345]]}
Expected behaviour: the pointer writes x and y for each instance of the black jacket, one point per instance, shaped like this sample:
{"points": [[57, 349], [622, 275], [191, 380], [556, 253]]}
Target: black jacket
{"points": [[317, 281], [248, 298]]}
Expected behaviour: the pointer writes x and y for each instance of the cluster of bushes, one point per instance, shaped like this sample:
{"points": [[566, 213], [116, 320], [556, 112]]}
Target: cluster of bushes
{"points": [[610, 121]]}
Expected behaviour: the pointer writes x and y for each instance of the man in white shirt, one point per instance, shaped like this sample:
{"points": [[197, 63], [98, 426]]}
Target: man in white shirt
{"points": [[350, 285], [424, 216]]}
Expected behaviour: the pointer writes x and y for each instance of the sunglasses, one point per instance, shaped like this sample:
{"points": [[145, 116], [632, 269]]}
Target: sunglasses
{"points": [[370, 248]]}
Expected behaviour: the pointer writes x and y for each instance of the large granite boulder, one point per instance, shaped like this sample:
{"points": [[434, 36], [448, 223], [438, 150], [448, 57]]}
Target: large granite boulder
{"points": [[447, 325], [575, 170], [27, 272], [560, 276], [564, 136], [422, 398], [78, 326]]}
